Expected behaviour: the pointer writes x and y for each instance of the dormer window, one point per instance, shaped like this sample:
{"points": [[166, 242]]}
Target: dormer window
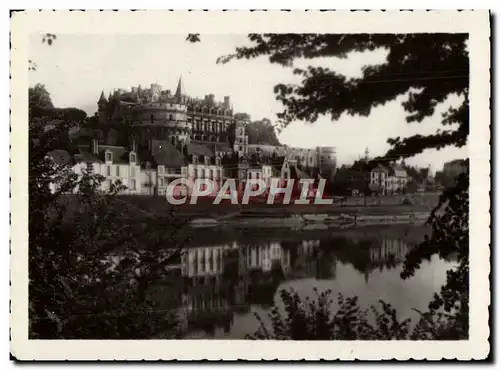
{"points": [[161, 169], [207, 160], [132, 157], [217, 161], [195, 159], [109, 156]]}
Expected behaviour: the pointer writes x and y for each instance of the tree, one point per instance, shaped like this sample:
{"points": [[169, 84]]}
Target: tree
{"points": [[94, 260], [426, 69], [261, 132], [245, 117], [39, 97], [410, 68]]}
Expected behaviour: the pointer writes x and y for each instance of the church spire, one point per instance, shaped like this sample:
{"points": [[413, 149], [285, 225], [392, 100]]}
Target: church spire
{"points": [[179, 92]]}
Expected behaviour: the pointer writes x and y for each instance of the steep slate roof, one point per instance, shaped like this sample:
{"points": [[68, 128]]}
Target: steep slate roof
{"points": [[380, 168], [299, 174], [60, 157], [222, 147], [277, 163], [399, 170], [87, 157], [120, 153], [165, 154], [199, 149]]}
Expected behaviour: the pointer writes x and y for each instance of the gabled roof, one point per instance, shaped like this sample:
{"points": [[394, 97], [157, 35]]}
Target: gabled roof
{"points": [[60, 157], [166, 154]]}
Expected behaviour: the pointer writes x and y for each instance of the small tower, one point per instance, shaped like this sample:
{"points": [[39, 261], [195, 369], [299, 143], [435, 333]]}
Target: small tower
{"points": [[102, 105], [240, 138], [178, 91], [102, 100]]}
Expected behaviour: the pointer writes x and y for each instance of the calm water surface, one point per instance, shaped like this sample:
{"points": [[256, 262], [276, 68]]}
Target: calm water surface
{"points": [[228, 275]]}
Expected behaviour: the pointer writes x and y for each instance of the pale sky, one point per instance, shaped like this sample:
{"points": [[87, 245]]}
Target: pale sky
{"points": [[76, 68]]}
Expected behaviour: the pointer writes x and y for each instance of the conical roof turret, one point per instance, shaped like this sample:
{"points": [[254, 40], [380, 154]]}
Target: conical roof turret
{"points": [[102, 98], [179, 91]]}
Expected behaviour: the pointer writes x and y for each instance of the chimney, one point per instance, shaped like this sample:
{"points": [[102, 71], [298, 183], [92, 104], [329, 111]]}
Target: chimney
{"points": [[95, 146]]}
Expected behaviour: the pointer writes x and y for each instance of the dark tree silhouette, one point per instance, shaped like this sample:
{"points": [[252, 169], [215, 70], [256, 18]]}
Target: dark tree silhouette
{"points": [[429, 67], [261, 132]]}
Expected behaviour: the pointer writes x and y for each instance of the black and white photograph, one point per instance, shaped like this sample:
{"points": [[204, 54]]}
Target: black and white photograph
{"points": [[200, 180]]}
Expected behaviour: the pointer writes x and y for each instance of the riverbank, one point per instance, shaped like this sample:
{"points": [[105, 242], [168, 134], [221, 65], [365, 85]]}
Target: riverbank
{"points": [[205, 208], [309, 220]]}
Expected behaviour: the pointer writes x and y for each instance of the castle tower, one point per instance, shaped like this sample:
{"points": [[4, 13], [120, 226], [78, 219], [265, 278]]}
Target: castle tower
{"points": [[241, 139]]}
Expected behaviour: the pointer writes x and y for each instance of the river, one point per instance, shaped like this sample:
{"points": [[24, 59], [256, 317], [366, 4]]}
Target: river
{"points": [[228, 275]]}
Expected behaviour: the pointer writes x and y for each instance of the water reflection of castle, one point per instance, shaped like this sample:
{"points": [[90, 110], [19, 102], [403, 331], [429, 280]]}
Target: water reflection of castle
{"points": [[220, 280], [395, 249]]}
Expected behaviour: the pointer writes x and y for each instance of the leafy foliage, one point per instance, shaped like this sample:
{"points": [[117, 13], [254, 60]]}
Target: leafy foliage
{"points": [[93, 259], [39, 97], [410, 68], [315, 320], [193, 37], [261, 132], [49, 38]]}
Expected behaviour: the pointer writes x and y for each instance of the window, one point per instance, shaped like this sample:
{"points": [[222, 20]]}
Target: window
{"points": [[132, 171], [109, 157], [132, 184], [208, 174], [160, 169], [132, 158], [171, 117], [108, 170], [201, 256], [117, 170], [209, 261], [162, 181], [110, 184], [216, 260]]}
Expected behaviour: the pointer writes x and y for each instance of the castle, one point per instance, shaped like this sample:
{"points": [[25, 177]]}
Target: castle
{"points": [[141, 115], [145, 138]]}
